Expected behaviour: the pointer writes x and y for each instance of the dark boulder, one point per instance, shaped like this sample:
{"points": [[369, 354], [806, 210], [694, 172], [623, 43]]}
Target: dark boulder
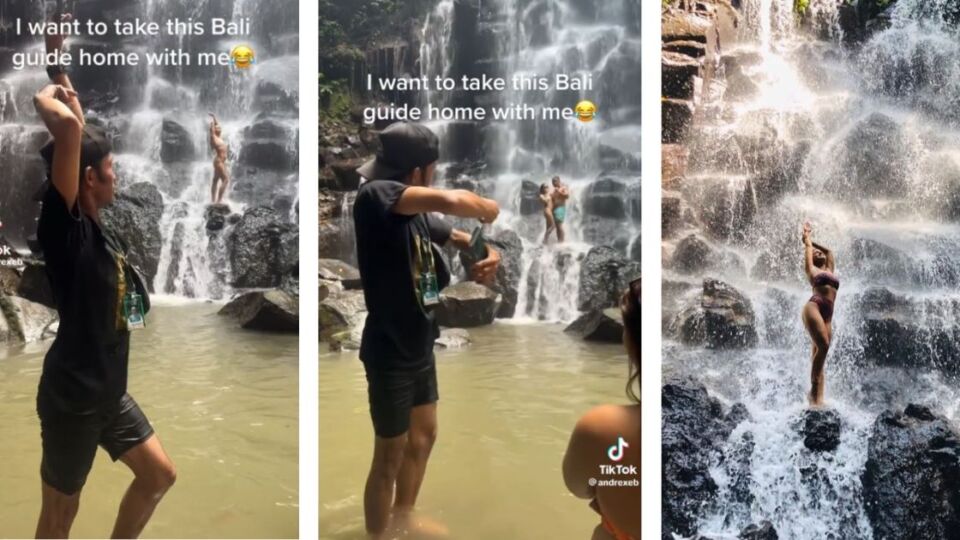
{"points": [[467, 305], [679, 74], [530, 199], [176, 145], [342, 313], [23, 321], [695, 430], [606, 198], [876, 159], [270, 311], [911, 481], [600, 231], [728, 212], [605, 326], [134, 217], [215, 216], [263, 248], [615, 159], [820, 429], [346, 177], [721, 317], [604, 274], [9, 279], [909, 332], [677, 116], [671, 214], [269, 154], [762, 531], [693, 255], [771, 266], [334, 270]]}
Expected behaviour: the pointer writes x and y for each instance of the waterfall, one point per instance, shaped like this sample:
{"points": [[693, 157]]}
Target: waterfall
{"points": [[508, 160], [872, 135], [158, 119]]}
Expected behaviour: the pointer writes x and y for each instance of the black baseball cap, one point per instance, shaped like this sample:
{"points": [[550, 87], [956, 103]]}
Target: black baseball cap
{"points": [[404, 146], [94, 146]]}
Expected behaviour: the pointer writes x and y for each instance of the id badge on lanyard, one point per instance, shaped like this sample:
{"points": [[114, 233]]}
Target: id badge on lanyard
{"points": [[131, 306], [133, 311], [429, 286]]}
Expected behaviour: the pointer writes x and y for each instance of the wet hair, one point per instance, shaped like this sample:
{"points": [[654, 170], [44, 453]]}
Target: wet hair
{"points": [[630, 309], [544, 188], [555, 179]]}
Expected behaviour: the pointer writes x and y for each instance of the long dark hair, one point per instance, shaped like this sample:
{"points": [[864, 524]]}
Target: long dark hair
{"points": [[630, 308]]}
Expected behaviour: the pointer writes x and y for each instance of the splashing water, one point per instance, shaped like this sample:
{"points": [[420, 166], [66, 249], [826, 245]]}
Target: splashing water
{"points": [[873, 132], [516, 39]]}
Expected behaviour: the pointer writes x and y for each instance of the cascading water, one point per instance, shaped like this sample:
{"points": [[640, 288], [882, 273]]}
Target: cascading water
{"points": [[871, 135], [508, 160], [157, 116]]}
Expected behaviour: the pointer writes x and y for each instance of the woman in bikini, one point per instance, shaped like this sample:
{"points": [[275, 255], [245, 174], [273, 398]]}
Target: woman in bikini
{"points": [[547, 201], [610, 435], [818, 312]]}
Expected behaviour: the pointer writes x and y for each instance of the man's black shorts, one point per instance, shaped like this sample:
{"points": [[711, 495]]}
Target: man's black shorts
{"points": [[70, 440], [393, 393]]}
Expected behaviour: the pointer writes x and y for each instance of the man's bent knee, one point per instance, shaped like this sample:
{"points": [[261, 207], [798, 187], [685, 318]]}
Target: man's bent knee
{"points": [[160, 478]]}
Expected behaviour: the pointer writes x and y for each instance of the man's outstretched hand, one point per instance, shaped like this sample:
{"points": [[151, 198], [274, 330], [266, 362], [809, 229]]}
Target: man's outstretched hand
{"points": [[485, 271]]}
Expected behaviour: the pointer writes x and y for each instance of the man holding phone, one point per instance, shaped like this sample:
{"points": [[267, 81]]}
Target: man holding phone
{"points": [[402, 274]]}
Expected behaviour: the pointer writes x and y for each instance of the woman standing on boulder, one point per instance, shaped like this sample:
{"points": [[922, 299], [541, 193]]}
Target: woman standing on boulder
{"points": [[547, 202], [818, 311]]}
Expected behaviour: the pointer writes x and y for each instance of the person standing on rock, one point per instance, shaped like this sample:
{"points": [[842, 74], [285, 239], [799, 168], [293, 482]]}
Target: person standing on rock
{"points": [[221, 178], [612, 431], [818, 311], [547, 201], [82, 399], [559, 196], [402, 274]]}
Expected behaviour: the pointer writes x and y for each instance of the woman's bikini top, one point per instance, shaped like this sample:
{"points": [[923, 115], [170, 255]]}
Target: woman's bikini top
{"points": [[826, 278]]}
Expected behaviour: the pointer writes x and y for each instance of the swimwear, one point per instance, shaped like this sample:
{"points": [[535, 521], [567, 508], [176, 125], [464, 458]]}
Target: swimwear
{"points": [[826, 278], [824, 305], [560, 213]]}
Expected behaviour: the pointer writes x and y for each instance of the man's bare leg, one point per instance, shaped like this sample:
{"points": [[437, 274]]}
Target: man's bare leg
{"points": [[420, 441], [57, 512], [378, 493], [154, 475], [560, 234]]}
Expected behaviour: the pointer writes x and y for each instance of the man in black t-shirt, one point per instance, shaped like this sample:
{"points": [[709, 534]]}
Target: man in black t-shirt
{"points": [[82, 398], [402, 274]]}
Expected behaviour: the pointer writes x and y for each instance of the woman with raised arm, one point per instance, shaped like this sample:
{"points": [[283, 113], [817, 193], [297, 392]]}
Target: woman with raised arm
{"points": [[613, 432], [818, 311], [82, 398]]}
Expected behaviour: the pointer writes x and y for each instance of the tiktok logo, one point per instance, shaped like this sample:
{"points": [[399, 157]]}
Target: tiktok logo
{"points": [[615, 452]]}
